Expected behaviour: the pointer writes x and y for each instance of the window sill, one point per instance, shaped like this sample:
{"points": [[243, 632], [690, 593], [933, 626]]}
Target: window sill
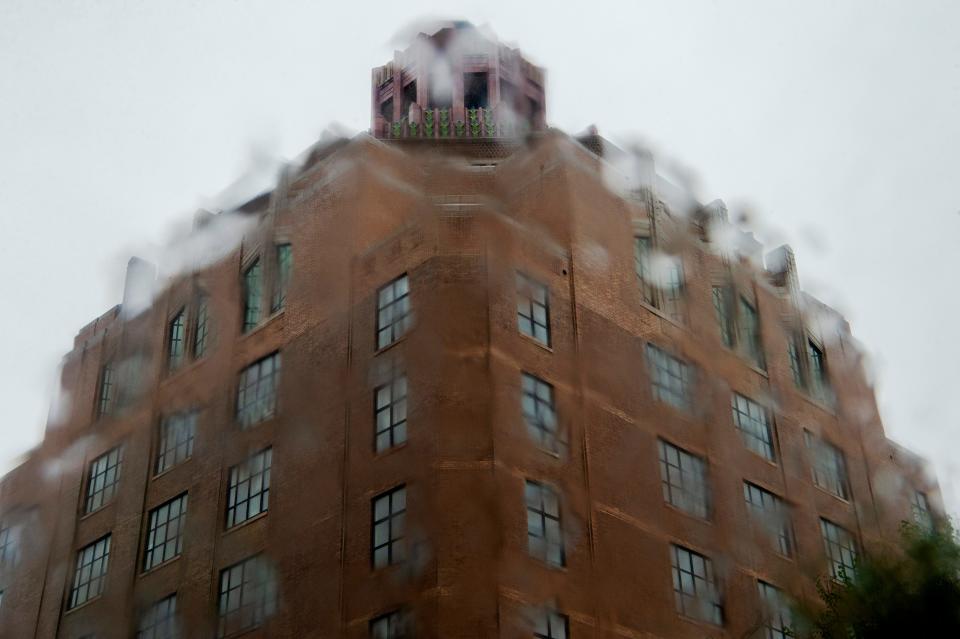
{"points": [[154, 569], [834, 495], [699, 622], [656, 311], [535, 342], [687, 513], [751, 364], [386, 348], [245, 522], [104, 506], [171, 469], [262, 324], [86, 603], [815, 402], [389, 451]]}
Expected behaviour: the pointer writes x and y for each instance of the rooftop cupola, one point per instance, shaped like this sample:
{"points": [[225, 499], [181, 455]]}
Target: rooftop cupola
{"points": [[457, 82]]}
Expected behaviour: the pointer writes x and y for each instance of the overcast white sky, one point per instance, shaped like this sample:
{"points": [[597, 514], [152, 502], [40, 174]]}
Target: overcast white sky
{"points": [[838, 123]]}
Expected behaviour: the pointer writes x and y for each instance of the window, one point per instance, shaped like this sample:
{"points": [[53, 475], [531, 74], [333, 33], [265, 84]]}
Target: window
{"points": [[550, 624], [533, 309], [795, 367], [694, 588], [176, 440], [739, 324], [829, 467], [841, 550], [165, 532], [248, 488], [544, 532], [721, 304], [393, 625], [818, 370], [160, 620], [539, 412], [753, 422], [284, 267], [257, 393], [684, 480], [176, 339], [107, 391], [772, 514], [9, 545], [393, 311], [660, 277], [248, 596], [389, 517], [670, 377], [90, 572], [809, 369], [103, 479], [252, 285], [750, 333], [475, 90], [777, 617], [391, 414], [919, 506], [201, 328]]}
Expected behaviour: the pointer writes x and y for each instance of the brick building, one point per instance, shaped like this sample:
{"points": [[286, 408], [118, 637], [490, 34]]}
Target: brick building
{"points": [[464, 376]]}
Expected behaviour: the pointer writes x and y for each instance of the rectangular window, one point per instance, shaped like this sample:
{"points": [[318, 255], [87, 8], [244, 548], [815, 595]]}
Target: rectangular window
{"points": [[177, 339], [796, 368], [750, 333], [818, 371], [252, 288], [841, 550], [393, 625], [391, 414], [670, 378], [777, 617], [539, 412], [550, 624], [102, 480], [672, 289], [694, 588], [920, 508], [684, 480], [544, 532], [248, 488], [393, 311], [90, 572], [176, 440], [642, 254], [257, 392], [284, 267], [721, 304], [248, 596], [160, 620], [773, 514], [533, 309], [106, 393], [829, 466], [753, 422], [389, 521], [201, 328], [9, 545], [165, 532]]}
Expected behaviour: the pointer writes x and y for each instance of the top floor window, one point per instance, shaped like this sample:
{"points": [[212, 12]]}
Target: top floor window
{"points": [[829, 466], [201, 328], [660, 276], [670, 377], [739, 324], [808, 367], [177, 339], [252, 290], [107, 391], [284, 267], [393, 311], [533, 309]]}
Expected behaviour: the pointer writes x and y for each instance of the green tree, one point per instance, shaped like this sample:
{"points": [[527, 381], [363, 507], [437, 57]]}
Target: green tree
{"points": [[912, 591]]}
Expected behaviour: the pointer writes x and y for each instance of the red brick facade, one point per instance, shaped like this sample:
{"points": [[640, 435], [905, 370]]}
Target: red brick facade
{"points": [[460, 219]]}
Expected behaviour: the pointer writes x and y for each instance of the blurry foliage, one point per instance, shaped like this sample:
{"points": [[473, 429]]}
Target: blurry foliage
{"points": [[913, 591]]}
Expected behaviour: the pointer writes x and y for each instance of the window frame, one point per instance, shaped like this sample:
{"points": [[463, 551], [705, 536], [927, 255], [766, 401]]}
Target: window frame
{"points": [[782, 535], [201, 327], [282, 271], [102, 544], [177, 340], [551, 440], [817, 446], [264, 596], [752, 430], [257, 468], [687, 500], [250, 413], [778, 617], [398, 625], [91, 493], [152, 626], [152, 539], [185, 422], [666, 293], [550, 548], [711, 596], [839, 569], [252, 292], [661, 392], [395, 521], [549, 617], [394, 423], [404, 321], [106, 390], [528, 291]]}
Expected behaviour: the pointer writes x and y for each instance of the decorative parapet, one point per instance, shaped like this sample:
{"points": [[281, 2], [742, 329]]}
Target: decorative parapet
{"points": [[439, 124]]}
